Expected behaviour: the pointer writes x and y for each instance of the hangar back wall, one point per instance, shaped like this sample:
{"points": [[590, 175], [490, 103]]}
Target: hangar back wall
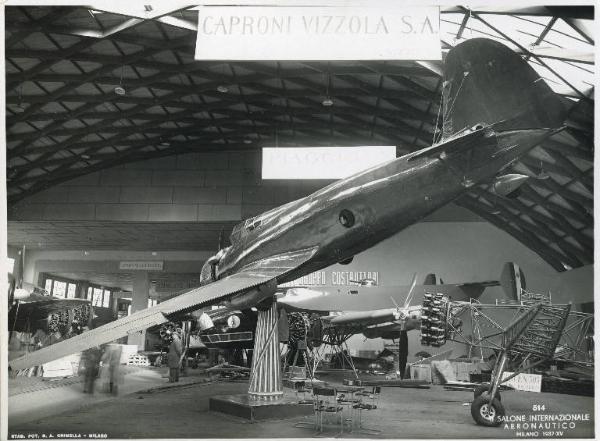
{"points": [[203, 187]]}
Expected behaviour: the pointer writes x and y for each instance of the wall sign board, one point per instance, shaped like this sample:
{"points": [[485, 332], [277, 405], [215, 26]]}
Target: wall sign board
{"points": [[334, 278], [318, 33], [322, 162], [151, 265]]}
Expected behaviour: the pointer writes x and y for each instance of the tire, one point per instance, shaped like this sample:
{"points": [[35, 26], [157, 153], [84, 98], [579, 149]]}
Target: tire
{"points": [[480, 390], [485, 414]]}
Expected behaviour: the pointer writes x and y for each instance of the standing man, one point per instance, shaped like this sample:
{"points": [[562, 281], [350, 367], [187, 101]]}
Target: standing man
{"points": [[174, 356], [91, 363]]}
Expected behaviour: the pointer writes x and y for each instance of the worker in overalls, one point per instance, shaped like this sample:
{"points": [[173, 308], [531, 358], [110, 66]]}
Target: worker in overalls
{"points": [[174, 357]]}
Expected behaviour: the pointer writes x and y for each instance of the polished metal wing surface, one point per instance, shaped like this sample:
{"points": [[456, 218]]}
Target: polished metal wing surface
{"points": [[365, 318], [49, 306], [255, 275]]}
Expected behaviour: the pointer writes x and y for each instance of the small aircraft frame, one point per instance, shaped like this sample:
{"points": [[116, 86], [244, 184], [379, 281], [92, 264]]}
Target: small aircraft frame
{"points": [[530, 339]]}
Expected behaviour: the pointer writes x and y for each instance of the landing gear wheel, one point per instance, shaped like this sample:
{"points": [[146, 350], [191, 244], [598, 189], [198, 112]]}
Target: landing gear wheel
{"points": [[486, 414], [483, 390]]}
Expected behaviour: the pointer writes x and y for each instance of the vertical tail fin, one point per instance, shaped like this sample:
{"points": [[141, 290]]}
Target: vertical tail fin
{"points": [[487, 82], [430, 279], [512, 281]]}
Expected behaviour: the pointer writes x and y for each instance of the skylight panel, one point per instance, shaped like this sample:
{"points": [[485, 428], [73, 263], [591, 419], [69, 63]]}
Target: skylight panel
{"points": [[580, 77], [565, 36]]}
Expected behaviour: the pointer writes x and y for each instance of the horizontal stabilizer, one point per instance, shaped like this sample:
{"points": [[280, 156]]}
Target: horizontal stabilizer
{"points": [[478, 137]]}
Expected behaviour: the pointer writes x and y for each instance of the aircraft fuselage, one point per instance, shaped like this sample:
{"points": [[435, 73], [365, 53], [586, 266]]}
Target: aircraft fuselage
{"points": [[376, 204]]}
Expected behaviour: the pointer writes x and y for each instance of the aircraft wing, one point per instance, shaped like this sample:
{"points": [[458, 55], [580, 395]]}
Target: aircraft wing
{"points": [[364, 318], [49, 306], [252, 276], [141, 320], [485, 283]]}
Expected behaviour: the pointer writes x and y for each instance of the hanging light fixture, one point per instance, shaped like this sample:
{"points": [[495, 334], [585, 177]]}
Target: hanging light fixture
{"points": [[222, 88], [327, 102], [543, 175], [120, 90], [19, 107]]}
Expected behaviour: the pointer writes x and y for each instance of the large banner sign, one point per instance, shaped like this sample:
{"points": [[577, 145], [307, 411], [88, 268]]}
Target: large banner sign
{"points": [[318, 33], [335, 278]]}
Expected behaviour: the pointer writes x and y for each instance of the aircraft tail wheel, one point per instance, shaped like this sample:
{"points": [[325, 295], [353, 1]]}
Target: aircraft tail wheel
{"points": [[486, 414], [481, 390]]}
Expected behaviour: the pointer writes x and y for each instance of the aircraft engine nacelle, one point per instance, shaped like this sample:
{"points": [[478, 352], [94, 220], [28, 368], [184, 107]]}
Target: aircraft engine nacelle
{"points": [[507, 185], [253, 297], [387, 332], [372, 333], [205, 322]]}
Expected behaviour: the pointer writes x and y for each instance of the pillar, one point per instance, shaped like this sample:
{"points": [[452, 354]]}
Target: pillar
{"points": [[139, 301], [265, 377]]}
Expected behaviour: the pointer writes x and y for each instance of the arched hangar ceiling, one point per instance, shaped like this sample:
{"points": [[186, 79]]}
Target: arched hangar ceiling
{"points": [[64, 66]]}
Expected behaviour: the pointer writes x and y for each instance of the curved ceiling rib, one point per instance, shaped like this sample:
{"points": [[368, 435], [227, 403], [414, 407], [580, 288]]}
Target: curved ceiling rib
{"points": [[64, 119]]}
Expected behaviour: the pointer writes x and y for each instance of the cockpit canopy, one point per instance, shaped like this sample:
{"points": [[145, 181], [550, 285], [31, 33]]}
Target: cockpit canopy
{"points": [[243, 228]]}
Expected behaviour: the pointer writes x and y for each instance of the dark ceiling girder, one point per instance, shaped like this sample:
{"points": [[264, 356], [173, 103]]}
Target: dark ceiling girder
{"points": [[573, 198], [463, 25], [584, 254], [411, 112], [289, 112], [570, 150], [134, 84], [20, 30], [582, 11], [530, 193], [69, 87], [132, 112], [90, 98], [579, 29], [240, 132], [530, 241], [135, 155]]}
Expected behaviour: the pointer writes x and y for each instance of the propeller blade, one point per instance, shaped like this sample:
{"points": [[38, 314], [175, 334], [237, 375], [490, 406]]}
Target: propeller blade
{"points": [[410, 291], [395, 303], [402, 352]]}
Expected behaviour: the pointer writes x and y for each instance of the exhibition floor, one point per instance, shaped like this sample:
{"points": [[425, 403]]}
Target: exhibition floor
{"points": [[147, 411]]}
